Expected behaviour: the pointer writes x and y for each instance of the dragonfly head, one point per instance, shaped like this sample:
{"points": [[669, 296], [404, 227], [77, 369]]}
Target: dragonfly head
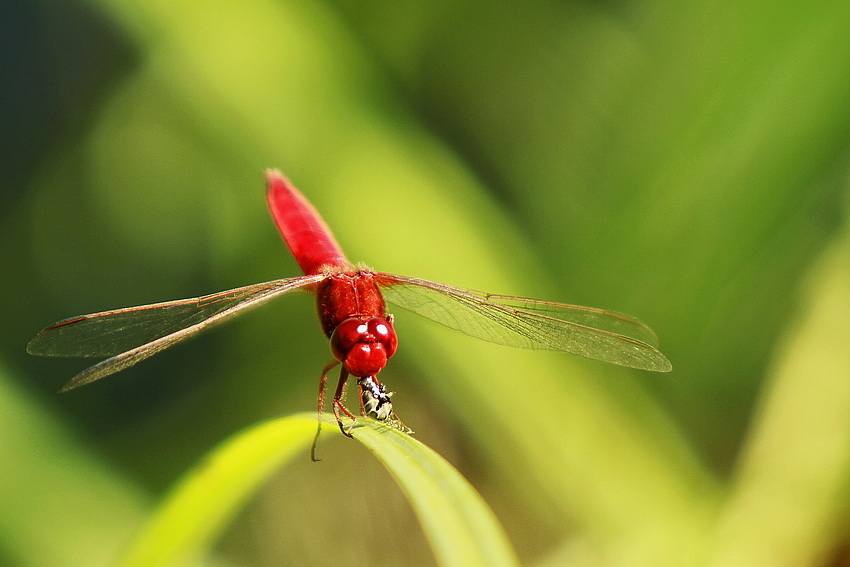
{"points": [[364, 345]]}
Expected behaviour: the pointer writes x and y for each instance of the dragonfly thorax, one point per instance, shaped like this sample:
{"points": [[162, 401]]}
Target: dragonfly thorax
{"points": [[342, 295], [364, 345]]}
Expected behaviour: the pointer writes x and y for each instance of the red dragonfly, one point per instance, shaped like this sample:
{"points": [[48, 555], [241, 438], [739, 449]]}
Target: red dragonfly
{"points": [[353, 315]]}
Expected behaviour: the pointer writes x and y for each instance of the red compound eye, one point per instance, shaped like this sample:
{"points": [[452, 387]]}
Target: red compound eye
{"points": [[346, 335], [364, 346], [366, 359], [384, 333]]}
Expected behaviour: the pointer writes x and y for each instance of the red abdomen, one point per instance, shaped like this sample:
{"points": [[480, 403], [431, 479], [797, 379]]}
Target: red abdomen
{"points": [[308, 237]]}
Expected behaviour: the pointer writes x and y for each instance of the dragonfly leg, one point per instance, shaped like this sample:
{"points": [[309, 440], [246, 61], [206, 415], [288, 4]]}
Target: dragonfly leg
{"points": [[322, 383], [338, 406]]}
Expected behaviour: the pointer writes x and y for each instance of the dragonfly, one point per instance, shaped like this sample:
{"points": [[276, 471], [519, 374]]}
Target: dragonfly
{"points": [[352, 308]]}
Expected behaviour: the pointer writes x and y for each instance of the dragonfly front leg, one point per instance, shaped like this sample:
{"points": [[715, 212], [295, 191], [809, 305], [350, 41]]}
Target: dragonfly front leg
{"points": [[338, 406], [321, 405]]}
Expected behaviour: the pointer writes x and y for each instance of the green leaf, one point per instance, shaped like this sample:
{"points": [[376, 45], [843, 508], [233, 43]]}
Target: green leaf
{"points": [[461, 528], [202, 503], [788, 502]]}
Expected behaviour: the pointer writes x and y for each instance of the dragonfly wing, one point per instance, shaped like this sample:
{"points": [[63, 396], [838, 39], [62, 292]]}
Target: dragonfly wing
{"points": [[590, 317], [529, 323], [133, 334]]}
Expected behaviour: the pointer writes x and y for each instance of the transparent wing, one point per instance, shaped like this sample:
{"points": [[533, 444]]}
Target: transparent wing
{"points": [[529, 323], [133, 334]]}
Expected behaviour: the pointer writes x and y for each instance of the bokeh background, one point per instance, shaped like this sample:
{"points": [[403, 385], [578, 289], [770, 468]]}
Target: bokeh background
{"points": [[683, 162]]}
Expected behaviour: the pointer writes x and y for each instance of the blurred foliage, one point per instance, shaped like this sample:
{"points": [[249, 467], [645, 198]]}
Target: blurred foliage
{"points": [[686, 163], [461, 529]]}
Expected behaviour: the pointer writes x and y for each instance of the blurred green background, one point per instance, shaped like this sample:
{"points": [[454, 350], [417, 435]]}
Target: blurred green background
{"points": [[685, 163]]}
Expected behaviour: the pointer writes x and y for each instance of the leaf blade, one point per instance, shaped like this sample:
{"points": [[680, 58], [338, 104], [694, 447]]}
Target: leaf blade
{"points": [[460, 527], [199, 506]]}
